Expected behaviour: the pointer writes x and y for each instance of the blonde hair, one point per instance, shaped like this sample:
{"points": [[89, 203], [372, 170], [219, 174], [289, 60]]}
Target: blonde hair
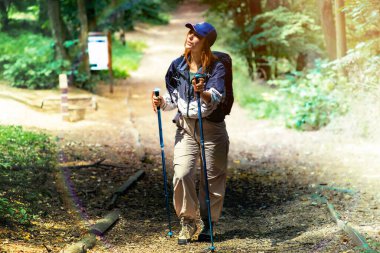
{"points": [[207, 57]]}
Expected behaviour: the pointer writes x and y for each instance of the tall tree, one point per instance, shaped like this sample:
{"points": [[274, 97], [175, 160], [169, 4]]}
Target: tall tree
{"points": [[272, 4], [56, 25], [328, 26], [256, 9], [91, 15], [4, 8], [82, 15], [341, 42]]}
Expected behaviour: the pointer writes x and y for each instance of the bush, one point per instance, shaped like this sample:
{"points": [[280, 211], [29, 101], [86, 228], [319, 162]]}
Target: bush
{"points": [[25, 160], [310, 100], [27, 61], [29, 73]]}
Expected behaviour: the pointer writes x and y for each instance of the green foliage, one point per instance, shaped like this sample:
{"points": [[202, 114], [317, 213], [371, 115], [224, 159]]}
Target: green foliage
{"points": [[27, 73], [27, 61], [266, 37], [363, 19], [285, 34], [304, 101], [362, 64], [259, 99], [25, 158], [125, 14], [310, 101], [15, 212], [362, 61], [21, 150], [126, 58]]}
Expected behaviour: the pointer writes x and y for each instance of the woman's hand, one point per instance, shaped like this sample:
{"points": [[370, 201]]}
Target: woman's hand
{"points": [[157, 101], [200, 87]]}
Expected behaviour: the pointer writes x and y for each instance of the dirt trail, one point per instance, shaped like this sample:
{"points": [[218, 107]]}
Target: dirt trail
{"points": [[268, 206]]}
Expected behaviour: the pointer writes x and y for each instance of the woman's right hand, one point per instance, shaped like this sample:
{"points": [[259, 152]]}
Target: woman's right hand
{"points": [[157, 101]]}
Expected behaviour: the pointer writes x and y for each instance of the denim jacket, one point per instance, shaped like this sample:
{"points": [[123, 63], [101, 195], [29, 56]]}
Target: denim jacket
{"points": [[181, 93]]}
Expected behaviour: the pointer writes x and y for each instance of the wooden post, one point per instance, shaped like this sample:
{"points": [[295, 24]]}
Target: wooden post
{"points": [[64, 100], [109, 38]]}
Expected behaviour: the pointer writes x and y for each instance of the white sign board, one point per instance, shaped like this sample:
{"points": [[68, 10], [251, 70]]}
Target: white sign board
{"points": [[98, 52]]}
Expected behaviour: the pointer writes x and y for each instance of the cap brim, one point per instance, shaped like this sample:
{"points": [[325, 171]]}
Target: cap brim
{"points": [[190, 26]]}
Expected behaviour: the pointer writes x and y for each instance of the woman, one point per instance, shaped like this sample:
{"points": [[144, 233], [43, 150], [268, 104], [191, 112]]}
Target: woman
{"points": [[182, 89]]}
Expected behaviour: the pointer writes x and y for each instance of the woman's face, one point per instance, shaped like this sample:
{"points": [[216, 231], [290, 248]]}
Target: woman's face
{"points": [[193, 42]]}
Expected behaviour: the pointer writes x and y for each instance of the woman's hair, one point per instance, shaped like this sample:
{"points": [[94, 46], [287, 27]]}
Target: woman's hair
{"points": [[207, 56]]}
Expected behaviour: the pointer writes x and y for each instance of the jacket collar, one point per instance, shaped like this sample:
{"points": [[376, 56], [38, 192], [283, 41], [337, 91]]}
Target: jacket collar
{"points": [[183, 68]]}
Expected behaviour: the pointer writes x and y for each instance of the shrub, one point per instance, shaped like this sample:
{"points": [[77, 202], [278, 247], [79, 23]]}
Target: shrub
{"points": [[27, 61], [310, 100], [25, 160]]}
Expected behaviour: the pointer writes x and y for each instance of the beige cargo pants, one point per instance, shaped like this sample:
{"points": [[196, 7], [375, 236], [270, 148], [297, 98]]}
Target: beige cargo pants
{"points": [[187, 152]]}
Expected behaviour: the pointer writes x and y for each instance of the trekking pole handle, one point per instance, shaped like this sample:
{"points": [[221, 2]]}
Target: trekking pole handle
{"points": [[157, 93], [198, 76]]}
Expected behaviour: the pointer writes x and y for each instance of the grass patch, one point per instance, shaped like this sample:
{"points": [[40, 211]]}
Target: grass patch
{"points": [[26, 162], [126, 58]]}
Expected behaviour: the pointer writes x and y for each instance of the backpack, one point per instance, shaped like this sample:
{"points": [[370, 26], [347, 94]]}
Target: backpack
{"points": [[228, 101], [226, 104]]}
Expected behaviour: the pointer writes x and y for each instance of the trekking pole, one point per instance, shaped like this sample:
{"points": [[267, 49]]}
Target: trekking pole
{"points": [[212, 247], [157, 93]]}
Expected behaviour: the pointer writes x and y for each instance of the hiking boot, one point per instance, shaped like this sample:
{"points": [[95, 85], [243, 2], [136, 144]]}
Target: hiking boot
{"points": [[187, 232], [205, 235]]}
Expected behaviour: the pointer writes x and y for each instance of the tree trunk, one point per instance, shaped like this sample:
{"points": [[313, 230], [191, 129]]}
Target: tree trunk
{"points": [[56, 25], [328, 26], [301, 61], [341, 43], [272, 4], [82, 15], [255, 9], [91, 15], [4, 8], [286, 4]]}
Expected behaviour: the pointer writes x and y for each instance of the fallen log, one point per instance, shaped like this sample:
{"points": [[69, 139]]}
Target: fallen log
{"points": [[104, 224], [99, 228], [358, 239], [122, 189], [88, 242]]}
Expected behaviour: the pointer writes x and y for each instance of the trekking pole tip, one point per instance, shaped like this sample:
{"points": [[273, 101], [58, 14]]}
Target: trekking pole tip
{"points": [[212, 248]]}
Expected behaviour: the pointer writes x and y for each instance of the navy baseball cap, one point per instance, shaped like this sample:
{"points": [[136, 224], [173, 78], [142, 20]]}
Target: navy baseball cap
{"points": [[204, 30]]}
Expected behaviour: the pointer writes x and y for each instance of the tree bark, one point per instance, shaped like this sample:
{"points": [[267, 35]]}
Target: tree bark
{"points": [[328, 26], [272, 4], [82, 15], [57, 30], [255, 9], [4, 8], [301, 61], [91, 15], [341, 42]]}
